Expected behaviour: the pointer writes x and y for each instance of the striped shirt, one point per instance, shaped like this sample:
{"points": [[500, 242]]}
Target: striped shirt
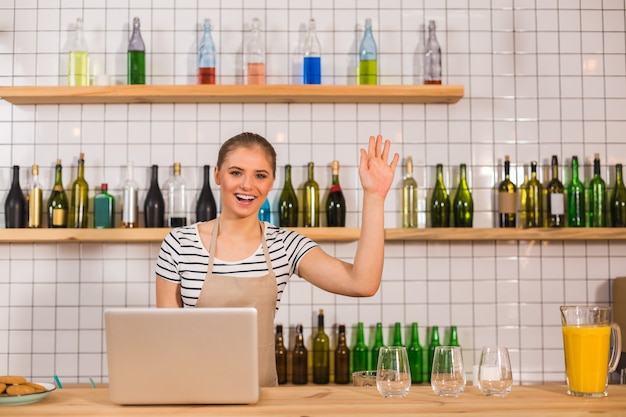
{"points": [[184, 260]]}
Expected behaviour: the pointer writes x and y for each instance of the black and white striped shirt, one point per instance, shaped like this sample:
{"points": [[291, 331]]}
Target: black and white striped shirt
{"points": [[183, 259]]}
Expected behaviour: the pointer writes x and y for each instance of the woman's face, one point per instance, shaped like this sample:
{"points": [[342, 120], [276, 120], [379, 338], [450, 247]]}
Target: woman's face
{"points": [[245, 178]]}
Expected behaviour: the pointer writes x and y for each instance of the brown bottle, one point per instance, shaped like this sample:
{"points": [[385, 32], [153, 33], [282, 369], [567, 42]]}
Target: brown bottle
{"points": [[281, 355], [342, 358], [299, 359]]}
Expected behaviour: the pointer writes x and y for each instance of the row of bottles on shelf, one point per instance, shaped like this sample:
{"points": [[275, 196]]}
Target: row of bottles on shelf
{"points": [[552, 205], [254, 56], [324, 364]]}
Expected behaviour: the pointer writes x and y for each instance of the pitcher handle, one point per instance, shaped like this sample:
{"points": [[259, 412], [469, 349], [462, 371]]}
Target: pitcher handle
{"points": [[617, 348]]}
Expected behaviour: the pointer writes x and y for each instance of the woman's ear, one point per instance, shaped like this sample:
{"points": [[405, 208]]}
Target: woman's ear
{"points": [[216, 175]]}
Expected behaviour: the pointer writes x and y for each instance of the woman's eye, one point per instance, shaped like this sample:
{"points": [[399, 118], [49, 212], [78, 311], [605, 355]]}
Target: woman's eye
{"points": [[261, 176], [235, 173]]}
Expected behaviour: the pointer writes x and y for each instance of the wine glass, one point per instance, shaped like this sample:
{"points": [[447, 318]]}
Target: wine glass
{"points": [[393, 376]]}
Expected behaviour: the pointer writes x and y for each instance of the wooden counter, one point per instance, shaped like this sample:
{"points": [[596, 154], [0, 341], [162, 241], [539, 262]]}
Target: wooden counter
{"points": [[335, 400]]}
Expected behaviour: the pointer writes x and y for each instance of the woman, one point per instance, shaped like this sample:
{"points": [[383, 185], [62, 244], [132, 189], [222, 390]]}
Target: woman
{"points": [[235, 260]]}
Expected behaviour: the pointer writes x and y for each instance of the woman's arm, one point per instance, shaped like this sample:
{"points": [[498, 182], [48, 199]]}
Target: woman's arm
{"points": [[167, 293], [363, 277]]}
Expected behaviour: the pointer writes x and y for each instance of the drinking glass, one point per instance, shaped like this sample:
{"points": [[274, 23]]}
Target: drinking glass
{"points": [[364, 378], [494, 371], [448, 376], [393, 377]]}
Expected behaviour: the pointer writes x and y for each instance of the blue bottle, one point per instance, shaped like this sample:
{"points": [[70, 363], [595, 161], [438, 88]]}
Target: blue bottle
{"points": [[312, 65], [265, 214]]}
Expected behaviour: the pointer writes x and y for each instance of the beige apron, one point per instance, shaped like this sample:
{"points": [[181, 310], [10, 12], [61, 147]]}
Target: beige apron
{"points": [[258, 292]]}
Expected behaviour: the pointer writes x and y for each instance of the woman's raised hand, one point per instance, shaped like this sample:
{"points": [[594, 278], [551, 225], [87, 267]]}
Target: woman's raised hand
{"points": [[375, 171]]}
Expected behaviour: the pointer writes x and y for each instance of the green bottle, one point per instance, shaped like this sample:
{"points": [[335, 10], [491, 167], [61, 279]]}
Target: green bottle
{"points": [[534, 199], [575, 198], [58, 204], [463, 202], [618, 200], [136, 59], [440, 203], [378, 343], [397, 335], [79, 204], [597, 194], [523, 197], [103, 208], [409, 196], [360, 351], [288, 203], [507, 197], [416, 355], [342, 358], [555, 198], [434, 342], [454, 337], [311, 200], [321, 365]]}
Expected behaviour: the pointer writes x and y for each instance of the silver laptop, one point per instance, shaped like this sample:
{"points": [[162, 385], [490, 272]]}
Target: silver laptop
{"points": [[182, 355]]}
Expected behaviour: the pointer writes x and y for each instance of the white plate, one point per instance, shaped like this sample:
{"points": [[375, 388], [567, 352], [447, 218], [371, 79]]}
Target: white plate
{"points": [[27, 398]]}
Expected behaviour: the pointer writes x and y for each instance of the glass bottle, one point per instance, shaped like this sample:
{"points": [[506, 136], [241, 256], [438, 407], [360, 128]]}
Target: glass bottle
{"points": [[507, 197], [378, 343], [440, 204], [335, 202], [136, 59], [58, 204], [299, 358], [416, 355], [575, 198], [130, 219], [281, 355], [556, 198], [409, 196], [15, 206], [368, 59], [255, 55], [311, 200], [597, 195], [265, 212], [78, 57], [523, 198], [359, 353], [434, 342], [454, 336], [154, 204], [176, 203], [534, 199], [103, 208], [397, 335], [206, 209], [79, 203], [312, 62], [463, 202], [342, 358], [320, 352], [618, 199], [432, 57], [35, 198], [206, 56], [288, 202]]}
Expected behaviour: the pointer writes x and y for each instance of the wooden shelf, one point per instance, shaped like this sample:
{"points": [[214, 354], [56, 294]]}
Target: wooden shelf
{"points": [[119, 94], [322, 234]]}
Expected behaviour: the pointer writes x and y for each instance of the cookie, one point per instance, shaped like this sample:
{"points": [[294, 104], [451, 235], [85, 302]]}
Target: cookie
{"points": [[37, 387], [20, 390], [2, 387], [12, 380]]}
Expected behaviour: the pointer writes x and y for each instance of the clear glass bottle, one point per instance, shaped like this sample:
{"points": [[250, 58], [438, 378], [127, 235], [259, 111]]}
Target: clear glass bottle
{"points": [[176, 202], [409, 196], [254, 55], [206, 208], [78, 57], [79, 203], [507, 198], [15, 206], [415, 353], [312, 62], [311, 200], [440, 203], [130, 218], [342, 358], [154, 204], [281, 355], [368, 57], [321, 344], [432, 57], [58, 204], [618, 199], [556, 198], [575, 198], [463, 202], [136, 59], [35, 199], [288, 202], [335, 202], [360, 351], [534, 199], [299, 358], [206, 56], [597, 196], [103, 208]]}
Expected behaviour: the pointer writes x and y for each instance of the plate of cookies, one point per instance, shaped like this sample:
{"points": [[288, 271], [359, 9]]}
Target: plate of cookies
{"points": [[16, 390]]}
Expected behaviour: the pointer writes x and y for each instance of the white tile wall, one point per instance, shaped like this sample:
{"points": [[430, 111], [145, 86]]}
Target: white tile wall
{"points": [[541, 78]]}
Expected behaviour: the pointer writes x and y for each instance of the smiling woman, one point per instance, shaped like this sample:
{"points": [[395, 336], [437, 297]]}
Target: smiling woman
{"points": [[235, 260]]}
